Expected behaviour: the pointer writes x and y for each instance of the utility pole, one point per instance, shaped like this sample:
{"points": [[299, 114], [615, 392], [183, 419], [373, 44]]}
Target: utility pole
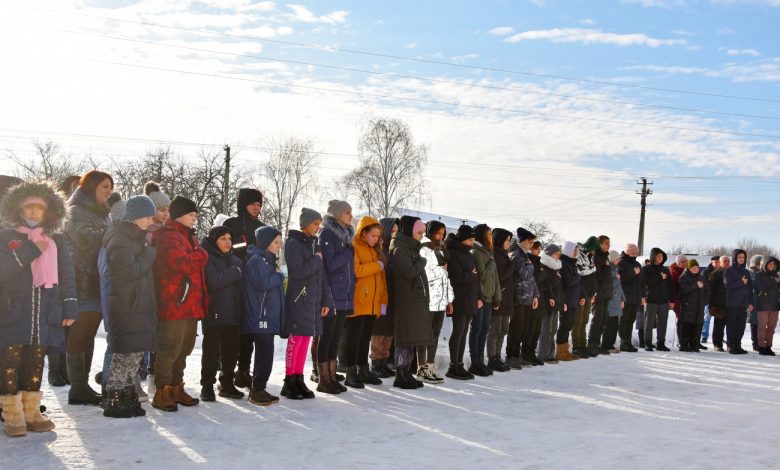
{"points": [[644, 193], [226, 185]]}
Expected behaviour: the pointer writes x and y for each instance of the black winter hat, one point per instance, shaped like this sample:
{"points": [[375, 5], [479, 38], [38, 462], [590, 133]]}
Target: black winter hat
{"points": [[523, 235], [432, 227], [218, 232], [464, 233], [406, 225], [500, 235], [181, 206]]}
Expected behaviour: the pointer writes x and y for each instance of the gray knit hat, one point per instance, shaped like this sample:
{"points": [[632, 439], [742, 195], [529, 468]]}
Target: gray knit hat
{"points": [[159, 198], [552, 248], [116, 205], [336, 208], [308, 216], [138, 207]]}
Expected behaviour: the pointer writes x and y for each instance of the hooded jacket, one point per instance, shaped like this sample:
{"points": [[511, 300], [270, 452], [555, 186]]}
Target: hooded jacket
{"points": [[338, 254], [738, 293], [572, 287], [20, 319], [655, 288], [618, 296], [766, 288], [630, 280], [243, 226], [490, 287], [224, 280], [506, 273], [439, 286], [587, 270], [526, 289], [264, 298], [676, 271], [307, 286], [462, 269], [412, 319], [370, 282], [603, 275], [692, 297], [554, 283]]}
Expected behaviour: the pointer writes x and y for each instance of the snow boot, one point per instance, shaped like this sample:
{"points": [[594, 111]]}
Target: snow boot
{"points": [[353, 379], [243, 379], [661, 346], [35, 420], [133, 401], [404, 380], [163, 399], [262, 398], [227, 390], [117, 406], [628, 347], [303, 388], [478, 368], [207, 393], [335, 376], [80, 392], [13, 415], [457, 372], [379, 368], [180, 396], [514, 363], [367, 376], [327, 384], [56, 367], [494, 364], [290, 388]]}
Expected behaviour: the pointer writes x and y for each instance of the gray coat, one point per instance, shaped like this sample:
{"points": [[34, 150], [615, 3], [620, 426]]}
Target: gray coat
{"points": [[614, 308], [412, 320], [307, 286]]}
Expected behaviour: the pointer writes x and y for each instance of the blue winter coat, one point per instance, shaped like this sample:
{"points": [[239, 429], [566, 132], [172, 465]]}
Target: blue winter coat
{"points": [[20, 323], [224, 280], [264, 299], [738, 294], [307, 285], [339, 258], [527, 289], [614, 308]]}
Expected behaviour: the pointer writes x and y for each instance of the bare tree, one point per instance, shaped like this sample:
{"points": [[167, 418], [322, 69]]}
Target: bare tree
{"points": [[288, 176], [751, 246], [391, 173], [49, 163], [543, 231]]}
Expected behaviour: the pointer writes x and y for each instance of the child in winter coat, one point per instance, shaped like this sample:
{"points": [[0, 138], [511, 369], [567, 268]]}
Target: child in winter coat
{"points": [[39, 291], [575, 298], [132, 310], [162, 203], [462, 269], [182, 300], [555, 304], [308, 300], [694, 293], [499, 324], [264, 308], [384, 326], [222, 324], [614, 307], [441, 294], [526, 296], [370, 300], [490, 294]]}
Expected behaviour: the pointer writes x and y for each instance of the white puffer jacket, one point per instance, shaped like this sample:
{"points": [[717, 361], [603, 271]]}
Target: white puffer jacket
{"points": [[438, 280]]}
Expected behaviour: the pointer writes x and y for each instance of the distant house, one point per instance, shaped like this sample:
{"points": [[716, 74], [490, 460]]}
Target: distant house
{"points": [[452, 223]]}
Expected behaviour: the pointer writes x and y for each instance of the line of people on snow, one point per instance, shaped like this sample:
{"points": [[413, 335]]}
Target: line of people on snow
{"points": [[380, 290]]}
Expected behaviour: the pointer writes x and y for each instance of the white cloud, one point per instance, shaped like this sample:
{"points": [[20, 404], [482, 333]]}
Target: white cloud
{"points": [[538, 3], [502, 30], [592, 36], [303, 14], [265, 31], [587, 22], [726, 31], [767, 70], [750, 52], [459, 59], [411, 45]]}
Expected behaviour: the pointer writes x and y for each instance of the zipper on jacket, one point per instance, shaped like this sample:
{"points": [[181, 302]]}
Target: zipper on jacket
{"points": [[302, 293]]}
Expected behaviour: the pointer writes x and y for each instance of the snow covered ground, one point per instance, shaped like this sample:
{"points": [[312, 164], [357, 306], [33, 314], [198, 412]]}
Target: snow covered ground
{"points": [[635, 411]]}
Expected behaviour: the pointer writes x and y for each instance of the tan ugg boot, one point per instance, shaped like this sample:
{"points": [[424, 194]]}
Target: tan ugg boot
{"points": [[13, 415], [36, 421], [573, 357]]}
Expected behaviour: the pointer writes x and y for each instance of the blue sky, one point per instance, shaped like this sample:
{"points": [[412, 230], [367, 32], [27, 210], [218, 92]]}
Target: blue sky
{"points": [[486, 164]]}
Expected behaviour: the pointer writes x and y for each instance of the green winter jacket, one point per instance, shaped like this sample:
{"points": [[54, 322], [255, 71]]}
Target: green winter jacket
{"points": [[489, 283]]}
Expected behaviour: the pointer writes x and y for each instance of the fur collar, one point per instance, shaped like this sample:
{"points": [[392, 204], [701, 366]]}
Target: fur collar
{"points": [[345, 234], [550, 262]]}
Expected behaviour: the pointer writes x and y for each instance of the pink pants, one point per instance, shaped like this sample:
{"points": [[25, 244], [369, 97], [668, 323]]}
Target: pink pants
{"points": [[297, 351], [767, 321]]}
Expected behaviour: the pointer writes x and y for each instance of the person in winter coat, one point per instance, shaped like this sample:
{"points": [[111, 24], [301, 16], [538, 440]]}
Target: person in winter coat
{"points": [[615, 306], [490, 295], [739, 300], [307, 302], [526, 296], [704, 334], [384, 326], [370, 301], [182, 300], [574, 298], [38, 285], [264, 310], [132, 310], [550, 260], [338, 255], [412, 322], [588, 279], [603, 296], [462, 269], [767, 292], [694, 295], [242, 227], [657, 296], [717, 302], [222, 324], [629, 270], [756, 261], [499, 324], [86, 222], [435, 253], [542, 277]]}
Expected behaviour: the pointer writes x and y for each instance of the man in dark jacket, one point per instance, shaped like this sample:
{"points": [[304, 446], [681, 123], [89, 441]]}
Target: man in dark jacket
{"points": [[657, 296], [739, 300], [242, 228], [526, 296], [629, 270], [603, 296], [462, 268]]}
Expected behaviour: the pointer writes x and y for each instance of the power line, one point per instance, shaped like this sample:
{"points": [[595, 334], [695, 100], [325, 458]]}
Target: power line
{"points": [[410, 59], [427, 79]]}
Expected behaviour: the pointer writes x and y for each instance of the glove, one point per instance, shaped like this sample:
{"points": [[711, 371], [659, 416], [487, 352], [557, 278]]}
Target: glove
{"points": [[383, 308]]}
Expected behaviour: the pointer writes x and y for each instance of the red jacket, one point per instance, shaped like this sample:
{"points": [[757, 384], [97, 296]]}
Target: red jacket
{"points": [[676, 273], [179, 273]]}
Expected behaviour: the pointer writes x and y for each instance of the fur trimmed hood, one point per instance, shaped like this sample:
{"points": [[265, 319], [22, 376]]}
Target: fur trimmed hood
{"points": [[55, 201]]}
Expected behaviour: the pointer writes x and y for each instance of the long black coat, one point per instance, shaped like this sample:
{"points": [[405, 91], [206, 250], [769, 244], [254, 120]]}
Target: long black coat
{"points": [[766, 288], [86, 223], [225, 282], [655, 288], [132, 305], [506, 277], [693, 297], [571, 283], [630, 281], [603, 275], [412, 320], [307, 285], [462, 269]]}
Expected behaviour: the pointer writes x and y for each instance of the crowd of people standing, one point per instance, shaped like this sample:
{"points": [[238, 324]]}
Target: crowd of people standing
{"points": [[366, 301]]}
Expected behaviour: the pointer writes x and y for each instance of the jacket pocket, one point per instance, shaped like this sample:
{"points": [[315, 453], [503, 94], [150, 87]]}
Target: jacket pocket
{"points": [[184, 291]]}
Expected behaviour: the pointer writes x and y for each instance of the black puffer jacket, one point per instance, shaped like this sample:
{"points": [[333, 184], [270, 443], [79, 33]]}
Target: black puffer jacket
{"points": [[657, 280], [462, 269], [630, 281], [766, 288], [693, 297], [242, 227], [603, 275], [506, 277], [412, 321], [224, 280], [86, 223], [717, 289], [571, 283]]}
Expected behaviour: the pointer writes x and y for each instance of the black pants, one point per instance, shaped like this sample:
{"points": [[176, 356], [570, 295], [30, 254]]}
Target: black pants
{"points": [[246, 343], [532, 329], [427, 355], [626, 324], [358, 340], [610, 333], [21, 368], [688, 335], [220, 352], [517, 325], [597, 322], [264, 360], [566, 323], [460, 329], [718, 327], [328, 343], [736, 318]]}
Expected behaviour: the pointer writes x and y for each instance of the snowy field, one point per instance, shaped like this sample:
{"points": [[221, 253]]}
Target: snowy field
{"points": [[634, 411]]}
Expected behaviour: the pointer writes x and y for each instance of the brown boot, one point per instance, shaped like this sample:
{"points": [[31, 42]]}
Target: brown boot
{"points": [[181, 396], [13, 415], [326, 383], [573, 356], [162, 399], [36, 421], [333, 365]]}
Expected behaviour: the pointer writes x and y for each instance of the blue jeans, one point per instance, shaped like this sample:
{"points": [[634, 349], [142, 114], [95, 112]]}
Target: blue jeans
{"points": [[480, 325], [705, 330]]}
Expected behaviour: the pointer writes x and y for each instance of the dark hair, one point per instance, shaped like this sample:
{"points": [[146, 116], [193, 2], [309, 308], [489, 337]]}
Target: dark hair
{"points": [[66, 185], [603, 238], [537, 244], [91, 179]]}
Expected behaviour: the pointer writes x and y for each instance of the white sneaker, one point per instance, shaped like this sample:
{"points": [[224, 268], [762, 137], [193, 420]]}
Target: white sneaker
{"points": [[424, 375], [434, 373]]}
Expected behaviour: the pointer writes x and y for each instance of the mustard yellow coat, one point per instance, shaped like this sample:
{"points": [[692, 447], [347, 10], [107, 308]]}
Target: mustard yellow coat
{"points": [[370, 281]]}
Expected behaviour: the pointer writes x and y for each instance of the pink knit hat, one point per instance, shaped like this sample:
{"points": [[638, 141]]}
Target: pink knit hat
{"points": [[32, 200]]}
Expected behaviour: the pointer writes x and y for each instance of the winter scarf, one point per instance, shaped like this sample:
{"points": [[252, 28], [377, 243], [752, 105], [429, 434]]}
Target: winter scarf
{"points": [[44, 267], [550, 262], [585, 264], [344, 233]]}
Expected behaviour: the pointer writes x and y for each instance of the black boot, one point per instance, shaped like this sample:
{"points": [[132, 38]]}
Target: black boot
{"points": [[661, 346], [379, 368], [117, 406], [367, 376], [290, 388], [242, 379], [353, 379], [477, 367], [404, 380], [315, 373], [227, 390], [80, 392], [133, 402], [641, 332], [56, 366], [207, 393], [305, 392]]}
